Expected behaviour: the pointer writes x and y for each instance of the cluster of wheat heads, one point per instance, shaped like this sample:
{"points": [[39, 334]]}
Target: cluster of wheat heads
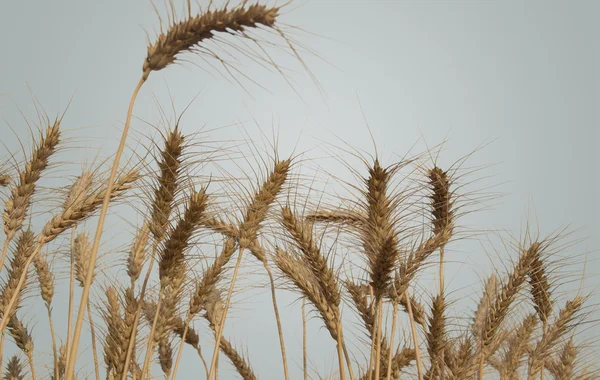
{"points": [[521, 326]]}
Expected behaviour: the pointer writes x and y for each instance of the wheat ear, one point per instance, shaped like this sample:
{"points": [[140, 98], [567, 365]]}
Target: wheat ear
{"points": [[167, 184], [501, 303], [23, 340], [518, 344], [14, 369], [253, 218], [442, 210], [20, 198], [46, 281], [554, 332], [81, 254]]}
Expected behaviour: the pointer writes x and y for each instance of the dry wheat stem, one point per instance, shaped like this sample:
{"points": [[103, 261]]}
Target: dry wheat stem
{"points": [[93, 336], [136, 320], [304, 341], [278, 322], [71, 298], [53, 336], [221, 325], [415, 337], [378, 336], [151, 340], [86, 289], [391, 345]]}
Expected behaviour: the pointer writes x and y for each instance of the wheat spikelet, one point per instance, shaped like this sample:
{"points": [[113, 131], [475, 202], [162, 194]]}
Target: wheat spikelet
{"points": [[436, 337], [135, 260], [79, 190], [564, 368], [256, 211], [441, 201], [400, 361], [505, 297], [552, 335], [81, 255], [17, 204], [165, 355], [4, 180], [418, 310], [127, 331], [518, 344], [214, 315], [114, 328], [483, 307], [302, 236], [221, 227], [172, 256], [360, 299], [78, 212], [337, 217], [61, 362], [305, 281], [210, 277], [540, 287], [413, 263], [14, 369], [458, 361], [19, 333], [164, 193], [185, 35], [378, 236], [17, 269], [45, 278]]}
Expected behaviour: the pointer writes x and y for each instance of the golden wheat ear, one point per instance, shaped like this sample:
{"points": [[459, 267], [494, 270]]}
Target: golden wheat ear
{"points": [[187, 34]]}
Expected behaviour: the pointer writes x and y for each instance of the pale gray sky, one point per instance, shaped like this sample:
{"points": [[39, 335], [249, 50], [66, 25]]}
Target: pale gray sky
{"points": [[523, 74]]}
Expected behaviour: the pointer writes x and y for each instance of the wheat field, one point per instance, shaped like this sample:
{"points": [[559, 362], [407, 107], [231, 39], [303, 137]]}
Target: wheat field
{"points": [[141, 264]]}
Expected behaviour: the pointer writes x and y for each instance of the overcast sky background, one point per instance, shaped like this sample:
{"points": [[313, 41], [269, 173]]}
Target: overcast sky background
{"points": [[521, 75]]}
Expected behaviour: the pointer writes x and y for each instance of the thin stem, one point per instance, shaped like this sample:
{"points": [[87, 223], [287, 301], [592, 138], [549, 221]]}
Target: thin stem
{"points": [[346, 355], [379, 331], [53, 336], [222, 321], [93, 334], [413, 328], [340, 354], [304, 349], [544, 326], [185, 330], [150, 346], [277, 318], [138, 313], [199, 350], [94, 253], [373, 338], [71, 297], [1, 347], [31, 366], [391, 346]]}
